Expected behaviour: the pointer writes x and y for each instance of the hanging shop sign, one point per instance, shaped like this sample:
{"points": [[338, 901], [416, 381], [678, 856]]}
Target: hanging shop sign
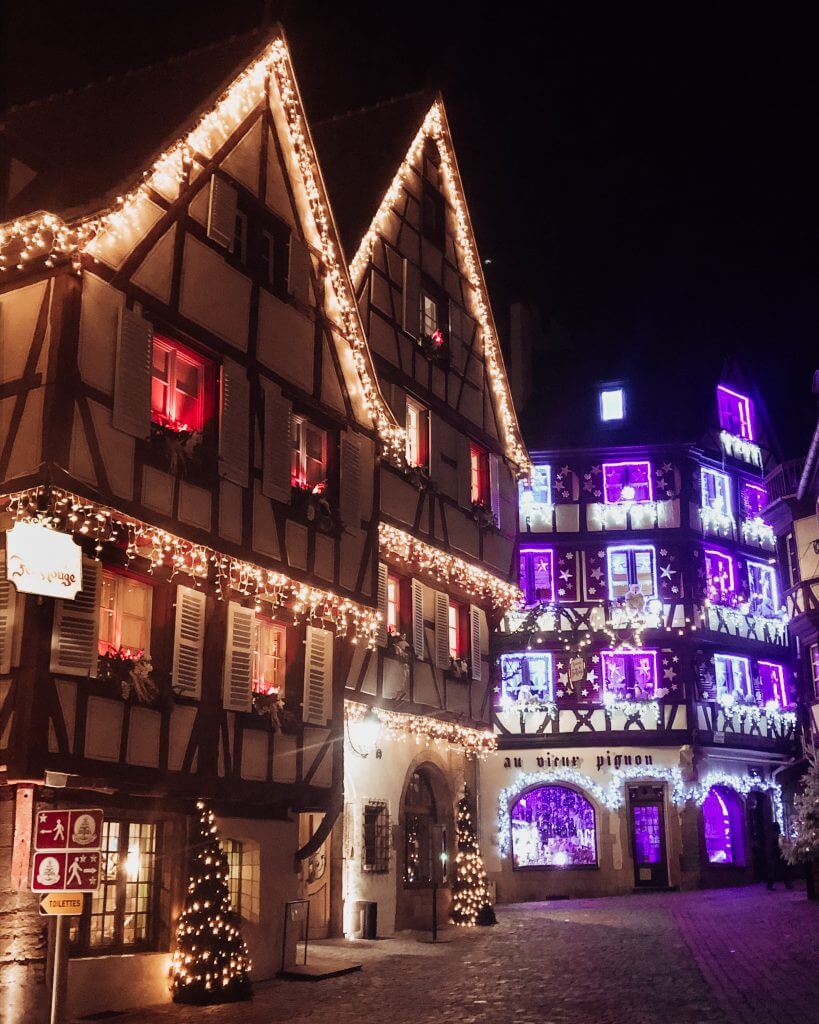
{"points": [[43, 561]]}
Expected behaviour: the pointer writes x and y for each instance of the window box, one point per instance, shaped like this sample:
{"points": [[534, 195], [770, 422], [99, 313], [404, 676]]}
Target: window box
{"points": [[484, 516], [435, 347]]}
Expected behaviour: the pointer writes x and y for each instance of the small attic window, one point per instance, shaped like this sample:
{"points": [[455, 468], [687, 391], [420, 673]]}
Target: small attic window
{"points": [[735, 414], [612, 403]]}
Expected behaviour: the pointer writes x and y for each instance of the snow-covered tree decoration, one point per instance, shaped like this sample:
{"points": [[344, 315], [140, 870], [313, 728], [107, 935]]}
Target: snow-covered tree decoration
{"points": [[470, 894], [802, 845], [210, 962]]}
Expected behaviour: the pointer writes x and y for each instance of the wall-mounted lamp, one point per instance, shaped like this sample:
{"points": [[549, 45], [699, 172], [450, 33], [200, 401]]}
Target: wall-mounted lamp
{"points": [[363, 733]]}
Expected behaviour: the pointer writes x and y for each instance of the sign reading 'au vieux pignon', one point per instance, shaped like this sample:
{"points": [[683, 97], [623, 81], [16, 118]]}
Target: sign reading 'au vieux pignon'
{"points": [[43, 561]]}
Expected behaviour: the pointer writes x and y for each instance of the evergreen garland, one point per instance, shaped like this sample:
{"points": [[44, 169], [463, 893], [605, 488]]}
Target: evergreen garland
{"points": [[210, 963], [470, 893], [802, 846]]}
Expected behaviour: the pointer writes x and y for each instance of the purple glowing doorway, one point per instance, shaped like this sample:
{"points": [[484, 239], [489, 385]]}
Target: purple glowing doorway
{"points": [[553, 827], [723, 823], [647, 812]]}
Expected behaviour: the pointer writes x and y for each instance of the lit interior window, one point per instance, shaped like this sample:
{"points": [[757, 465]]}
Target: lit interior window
{"points": [[125, 615], [631, 565], [733, 676], [268, 657], [612, 404], [772, 682], [177, 387], [716, 491], [537, 574], [393, 603], [479, 475], [308, 468], [763, 590], [627, 482], [754, 499], [526, 678], [735, 414], [454, 630], [629, 675], [719, 574], [553, 826], [723, 825], [417, 434]]}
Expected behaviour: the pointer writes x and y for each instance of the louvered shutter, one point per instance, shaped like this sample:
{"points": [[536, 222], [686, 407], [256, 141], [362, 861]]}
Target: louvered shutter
{"points": [[298, 273], [442, 658], [412, 299], [237, 684], [222, 212], [475, 641], [234, 423], [464, 472], [383, 586], [8, 603], [132, 380], [278, 444], [494, 487], [76, 626], [188, 641], [350, 487], [318, 676], [418, 618], [398, 403]]}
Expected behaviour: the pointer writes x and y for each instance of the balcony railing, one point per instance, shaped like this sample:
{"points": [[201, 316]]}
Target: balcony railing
{"points": [[783, 482]]}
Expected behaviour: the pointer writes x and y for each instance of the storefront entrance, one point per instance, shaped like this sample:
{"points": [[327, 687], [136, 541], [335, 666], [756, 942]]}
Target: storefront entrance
{"points": [[648, 845]]}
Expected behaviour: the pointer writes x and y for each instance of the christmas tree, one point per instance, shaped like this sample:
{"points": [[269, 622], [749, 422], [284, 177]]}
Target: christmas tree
{"points": [[803, 845], [470, 893], [210, 963]]}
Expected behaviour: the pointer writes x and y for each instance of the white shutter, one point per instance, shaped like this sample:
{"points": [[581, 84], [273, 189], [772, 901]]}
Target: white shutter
{"points": [[278, 444], [132, 382], [418, 618], [222, 212], [188, 641], [412, 299], [464, 472], [234, 423], [237, 682], [350, 487], [76, 626], [8, 603], [383, 587], [494, 487], [318, 676], [442, 657], [298, 273], [475, 641]]}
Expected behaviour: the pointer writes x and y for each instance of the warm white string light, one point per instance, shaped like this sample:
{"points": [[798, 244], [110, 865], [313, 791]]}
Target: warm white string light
{"points": [[400, 725]]}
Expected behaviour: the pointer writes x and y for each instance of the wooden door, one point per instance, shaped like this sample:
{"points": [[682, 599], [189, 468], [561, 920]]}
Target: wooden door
{"points": [[315, 877], [648, 845]]}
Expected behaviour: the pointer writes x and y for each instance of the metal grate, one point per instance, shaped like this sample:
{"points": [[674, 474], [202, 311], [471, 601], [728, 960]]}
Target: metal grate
{"points": [[376, 849]]}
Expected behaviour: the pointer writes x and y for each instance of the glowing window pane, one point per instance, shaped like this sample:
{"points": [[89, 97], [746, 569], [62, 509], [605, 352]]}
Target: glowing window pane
{"points": [[627, 481], [631, 566], [647, 838], [733, 675], [268, 659], [537, 574], [526, 677], [454, 630], [629, 675], [754, 499], [723, 825], [773, 684], [719, 575], [735, 413], [553, 826], [716, 491], [393, 603], [612, 404], [763, 589]]}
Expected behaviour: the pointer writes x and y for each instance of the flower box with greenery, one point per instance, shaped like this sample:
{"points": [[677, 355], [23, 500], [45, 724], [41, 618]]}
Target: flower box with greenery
{"points": [[399, 645], [484, 516], [131, 674], [313, 504], [418, 476], [435, 347], [458, 669], [183, 446]]}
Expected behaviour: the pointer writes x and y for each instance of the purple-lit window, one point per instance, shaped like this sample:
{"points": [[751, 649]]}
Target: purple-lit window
{"points": [[723, 824], [753, 499], [647, 839], [773, 684], [626, 481], [629, 675], [526, 679], [814, 669], [631, 565], [735, 414], [719, 576], [553, 827], [537, 574], [733, 675], [763, 589], [716, 490]]}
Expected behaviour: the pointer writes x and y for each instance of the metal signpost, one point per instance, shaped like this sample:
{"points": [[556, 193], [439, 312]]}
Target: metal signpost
{"points": [[66, 865]]}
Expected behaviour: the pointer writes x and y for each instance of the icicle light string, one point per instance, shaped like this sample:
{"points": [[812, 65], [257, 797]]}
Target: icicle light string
{"points": [[71, 513], [398, 726]]}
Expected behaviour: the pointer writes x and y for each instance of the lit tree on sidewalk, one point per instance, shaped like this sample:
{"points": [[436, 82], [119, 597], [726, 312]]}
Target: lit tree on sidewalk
{"points": [[802, 845], [470, 893], [210, 963]]}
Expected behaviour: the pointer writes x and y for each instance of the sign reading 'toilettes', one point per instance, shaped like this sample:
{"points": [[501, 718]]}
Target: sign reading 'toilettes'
{"points": [[43, 561]]}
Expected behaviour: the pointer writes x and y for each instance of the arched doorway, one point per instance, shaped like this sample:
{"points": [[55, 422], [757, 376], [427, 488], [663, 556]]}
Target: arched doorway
{"points": [[425, 832]]}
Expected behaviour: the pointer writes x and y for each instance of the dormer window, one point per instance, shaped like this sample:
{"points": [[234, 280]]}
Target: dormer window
{"points": [[537, 574], [612, 403], [735, 413], [626, 482], [177, 387]]}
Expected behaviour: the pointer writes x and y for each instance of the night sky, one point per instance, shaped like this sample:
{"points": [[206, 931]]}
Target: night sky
{"points": [[646, 175]]}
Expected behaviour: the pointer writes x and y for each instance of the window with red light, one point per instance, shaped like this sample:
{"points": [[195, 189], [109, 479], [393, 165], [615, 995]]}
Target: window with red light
{"points": [[735, 413], [719, 576], [479, 475], [125, 615], [177, 387], [393, 604], [627, 481], [417, 434], [455, 635], [268, 656], [308, 467]]}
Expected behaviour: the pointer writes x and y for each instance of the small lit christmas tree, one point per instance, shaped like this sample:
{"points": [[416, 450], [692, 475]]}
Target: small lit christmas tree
{"points": [[210, 963], [803, 845], [470, 893]]}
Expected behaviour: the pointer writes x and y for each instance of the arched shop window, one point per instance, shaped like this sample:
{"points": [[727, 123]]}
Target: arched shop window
{"points": [[420, 814], [723, 822], [553, 827]]}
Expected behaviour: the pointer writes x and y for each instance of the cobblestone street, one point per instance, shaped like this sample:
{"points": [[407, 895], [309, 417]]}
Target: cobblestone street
{"points": [[717, 957]]}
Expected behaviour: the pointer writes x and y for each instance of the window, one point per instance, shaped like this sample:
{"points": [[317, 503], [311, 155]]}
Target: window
{"points": [[177, 387], [433, 215], [631, 566], [763, 591], [716, 491], [553, 827], [429, 314], [814, 668], [629, 675], [626, 481], [376, 848], [479, 475], [733, 676], [244, 877], [417, 434], [792, 559], [125, 614], [723, 825], [308, 468], [455, 637], [268, 257], [122, 913], [735, 413], [239, 249], [269, 657], [393, 604], [420, 814], [773, 685], [753, 499], [612, 404], [537, 574], [526, 679], [719, 577]]}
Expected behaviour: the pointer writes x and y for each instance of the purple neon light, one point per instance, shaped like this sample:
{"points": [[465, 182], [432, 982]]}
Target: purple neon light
{"points": [[647, 838], [723, 824], [553, 826], [537, 574], [773, 684], [735, 414], [754, 499], [719, 572], [620, 475], [630, 675]]}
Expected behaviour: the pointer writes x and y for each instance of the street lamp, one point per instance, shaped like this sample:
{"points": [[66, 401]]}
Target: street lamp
{"points": [[363, 733]]}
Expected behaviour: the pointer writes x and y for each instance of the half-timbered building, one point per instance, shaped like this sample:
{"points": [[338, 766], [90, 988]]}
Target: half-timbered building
{"points": [[644, 701], [187, 392], [419, 705]]}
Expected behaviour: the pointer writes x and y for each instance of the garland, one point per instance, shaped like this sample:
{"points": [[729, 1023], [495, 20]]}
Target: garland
{"points": [[473, 742]]}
